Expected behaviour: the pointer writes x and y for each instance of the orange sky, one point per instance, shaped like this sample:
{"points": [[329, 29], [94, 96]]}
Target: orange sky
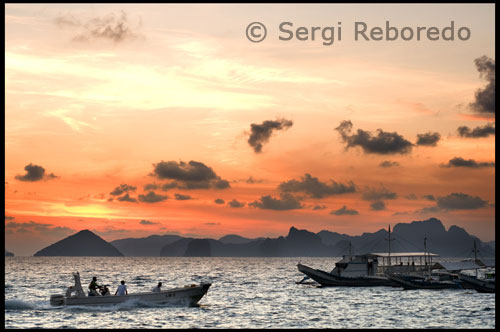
{"points": [[99, 95]]}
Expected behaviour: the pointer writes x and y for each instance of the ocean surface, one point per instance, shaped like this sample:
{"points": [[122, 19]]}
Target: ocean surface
{"points": [[245, 293]]}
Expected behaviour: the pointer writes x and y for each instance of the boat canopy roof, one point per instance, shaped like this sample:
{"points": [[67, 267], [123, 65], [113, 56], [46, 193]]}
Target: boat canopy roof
{"points": [[403, 254], [457, 266]]}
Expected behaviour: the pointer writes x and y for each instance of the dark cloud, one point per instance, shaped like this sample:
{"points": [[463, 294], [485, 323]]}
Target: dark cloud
{"points": [[260, 133], [319, 207], [285, 202], [429, 209], [484, 131], [123, 188], [151, 186], [35, 173], [411, 197], [388, 163], [315, 188], [381, 143], [428, 139], [9, 218], [429, 197], [147, 222], [114, 27], [374, 194], [485, 98], [219, 201], [460, 201], [126, 198], [470, 163], [192, 175], [252, 180], [152, 197], [221, 184], [235, 204], [181, 197], [344, 211], [377, 206]]}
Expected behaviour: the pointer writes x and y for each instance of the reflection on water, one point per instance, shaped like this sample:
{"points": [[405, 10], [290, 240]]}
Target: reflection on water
{"points": [[245, 293]]}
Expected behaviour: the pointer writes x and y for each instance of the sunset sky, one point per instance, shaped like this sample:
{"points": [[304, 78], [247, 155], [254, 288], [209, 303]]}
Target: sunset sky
{"points": [[132, 120]]}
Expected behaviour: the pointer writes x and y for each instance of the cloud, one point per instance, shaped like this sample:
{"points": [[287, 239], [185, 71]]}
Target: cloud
{"points": [[126, 198], [377, 206], [252, 180], [181, 197], [373, 194], [344, 211], [319, 207], [151, 186], [381, 143], [38, 228], [147, 222], [429, 197], [152, 197], [388, 163], [411, 197], [315, 188], [235, 204], [484, 102], [428, 139], [9, 218], [219, 201], [192, 175], [460, 201], [123, 188], [114, 27], [35, 173], [484, 131], [470, 163], [285, 202], [260, 133]]}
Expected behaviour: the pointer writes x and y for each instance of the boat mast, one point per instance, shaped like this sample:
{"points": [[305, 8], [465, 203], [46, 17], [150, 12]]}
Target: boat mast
{"points": [[389, 239], [475, 255], [350, 251], [427, 260]]}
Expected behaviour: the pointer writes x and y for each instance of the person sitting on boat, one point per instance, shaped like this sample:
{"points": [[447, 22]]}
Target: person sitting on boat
{"points": [[94, 287], [122, 289], [157, 289], [105, 290]]}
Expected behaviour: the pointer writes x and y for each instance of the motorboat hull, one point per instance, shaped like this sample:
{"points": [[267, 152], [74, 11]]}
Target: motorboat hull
{"points": [[327, 279], [189, 295], [482, 286]]}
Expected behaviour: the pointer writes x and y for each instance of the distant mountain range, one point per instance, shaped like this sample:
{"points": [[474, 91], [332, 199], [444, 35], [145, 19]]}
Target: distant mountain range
{"points": [[407, 237], [8, 254]]}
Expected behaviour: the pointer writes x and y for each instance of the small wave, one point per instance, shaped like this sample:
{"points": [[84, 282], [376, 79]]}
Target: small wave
{"points": [[18, 305]]}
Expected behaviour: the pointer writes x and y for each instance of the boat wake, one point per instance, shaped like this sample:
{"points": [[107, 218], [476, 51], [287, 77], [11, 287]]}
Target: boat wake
{"points": [[18, 305]]}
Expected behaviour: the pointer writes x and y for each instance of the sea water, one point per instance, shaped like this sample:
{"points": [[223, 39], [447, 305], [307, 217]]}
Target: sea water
{"points": [[245, 293]]}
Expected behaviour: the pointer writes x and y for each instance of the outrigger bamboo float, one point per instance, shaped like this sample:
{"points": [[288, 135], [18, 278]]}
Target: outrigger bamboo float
{"points": [[187, 295]]}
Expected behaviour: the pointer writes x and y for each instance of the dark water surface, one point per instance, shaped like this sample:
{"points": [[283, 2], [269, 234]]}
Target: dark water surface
{"points": [[245, 293]]}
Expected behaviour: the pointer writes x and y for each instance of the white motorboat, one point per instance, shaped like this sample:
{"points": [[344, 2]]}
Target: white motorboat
{"points": [[187, 295]]}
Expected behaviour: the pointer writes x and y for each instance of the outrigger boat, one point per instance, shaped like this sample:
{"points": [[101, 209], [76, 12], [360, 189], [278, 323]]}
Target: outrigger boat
{"points": [[365, 271], [482, 285], [188, 295]]}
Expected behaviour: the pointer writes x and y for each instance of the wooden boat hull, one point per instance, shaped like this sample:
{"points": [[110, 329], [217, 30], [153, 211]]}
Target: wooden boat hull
{"points": [[482, 286], [328, 279], [423, 284], [188, 295]]}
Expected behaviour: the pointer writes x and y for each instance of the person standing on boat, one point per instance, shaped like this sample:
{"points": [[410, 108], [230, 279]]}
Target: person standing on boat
{"points": [[94, 287], [157, 289], [122, 289]]}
